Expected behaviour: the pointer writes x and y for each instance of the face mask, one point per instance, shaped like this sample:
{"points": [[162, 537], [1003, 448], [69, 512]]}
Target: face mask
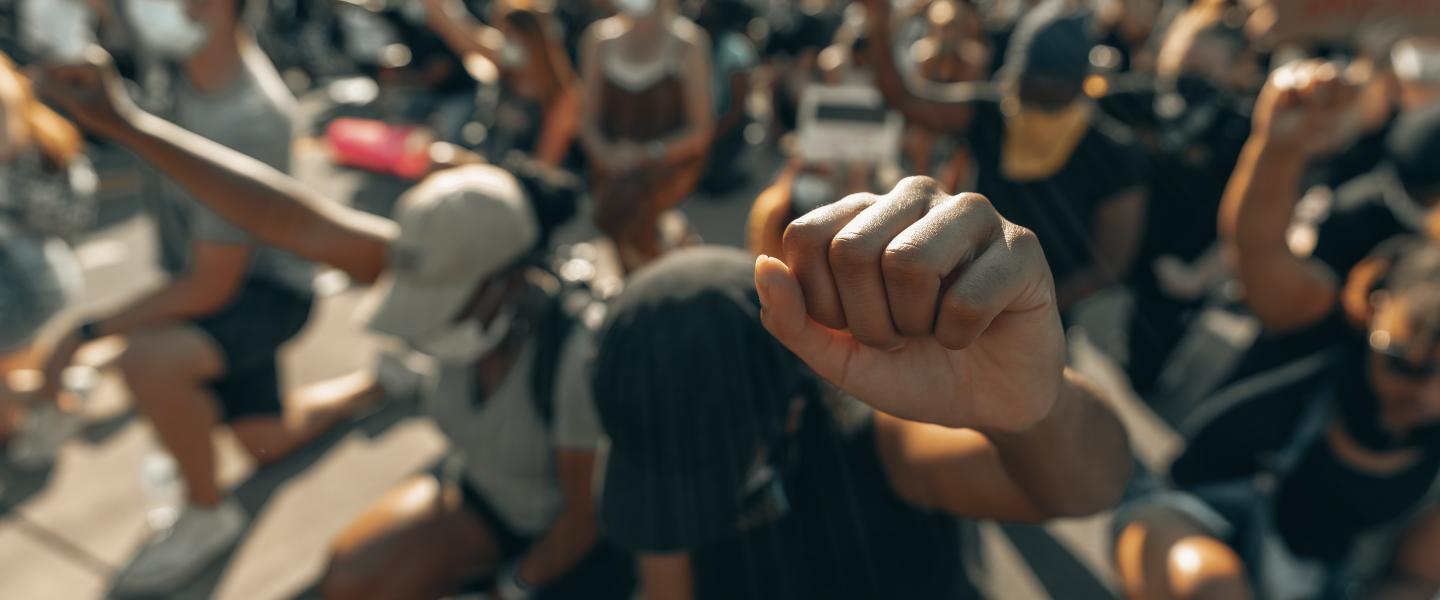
{"points": [[465, 343], [635, 9], [1038, 143], [164, 28], [513, 55], [809, 192]]}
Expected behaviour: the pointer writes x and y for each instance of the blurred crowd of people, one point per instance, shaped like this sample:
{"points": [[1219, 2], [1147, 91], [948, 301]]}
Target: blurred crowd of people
{"points": [[947, 186]]}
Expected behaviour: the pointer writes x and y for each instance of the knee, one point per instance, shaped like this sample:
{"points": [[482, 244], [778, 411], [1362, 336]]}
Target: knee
{"points": [[169, 356], [1202, 568], [1163, 560]]}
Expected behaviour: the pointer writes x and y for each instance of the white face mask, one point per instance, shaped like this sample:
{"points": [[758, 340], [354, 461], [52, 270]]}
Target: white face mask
{"points": [[465, 343], [165, 28], [635, 9]]}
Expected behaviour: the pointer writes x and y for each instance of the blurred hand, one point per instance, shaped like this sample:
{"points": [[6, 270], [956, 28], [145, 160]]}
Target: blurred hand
{"points": [[1308, 106], [90, 93], [627, 156], [58, 357], [926, 306]]}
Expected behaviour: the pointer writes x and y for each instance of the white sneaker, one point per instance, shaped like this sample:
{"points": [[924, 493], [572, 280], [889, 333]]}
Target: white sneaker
{"points": [[45, 429], [176, 555]]}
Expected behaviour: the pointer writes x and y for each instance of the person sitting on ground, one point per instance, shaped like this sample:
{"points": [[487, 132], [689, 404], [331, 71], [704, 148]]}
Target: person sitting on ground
{"points": [[1045, 156], [204, 348], [1315, 475], [954, 49], [458, 280], [733, 61], [736, 471], [1311, 471], [1196, 112], [538, 112], [647, 123], [45, 184]]}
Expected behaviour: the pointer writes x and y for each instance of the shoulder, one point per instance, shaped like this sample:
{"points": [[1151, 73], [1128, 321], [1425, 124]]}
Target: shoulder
{"points": [[691, 37], [604, 30]]}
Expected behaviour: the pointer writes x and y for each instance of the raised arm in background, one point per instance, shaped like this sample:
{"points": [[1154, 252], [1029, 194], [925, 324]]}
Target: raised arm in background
{"points": [[272, 206], [1298, 106]]}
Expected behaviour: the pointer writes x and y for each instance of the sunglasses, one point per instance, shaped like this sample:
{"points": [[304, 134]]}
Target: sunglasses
{"points": [[1396, 360]]}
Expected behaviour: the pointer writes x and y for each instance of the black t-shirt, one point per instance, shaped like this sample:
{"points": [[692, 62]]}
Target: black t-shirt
{"points": [[1190, 166], [846, 535], [1321, 505], [1061, 209], [1358, 222]]}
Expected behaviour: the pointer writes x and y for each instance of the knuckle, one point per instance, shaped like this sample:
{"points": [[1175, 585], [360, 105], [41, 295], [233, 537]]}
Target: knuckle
{"points": [[962, 308], [905, 264], [851, 251], [918, 185]]}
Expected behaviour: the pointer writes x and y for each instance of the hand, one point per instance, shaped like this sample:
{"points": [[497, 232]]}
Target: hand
{"points": [[926, 306], [1309, 107], [60, 355], [626, 156], [90, 93]]}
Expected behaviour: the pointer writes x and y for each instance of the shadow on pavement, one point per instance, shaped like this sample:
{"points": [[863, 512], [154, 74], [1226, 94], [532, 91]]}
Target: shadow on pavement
{"points": [[262, 485], [1059, 572]]}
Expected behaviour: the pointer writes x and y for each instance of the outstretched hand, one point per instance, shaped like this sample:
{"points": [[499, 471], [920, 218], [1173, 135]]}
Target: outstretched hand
{"points": [[90, 93], [927, 306]]}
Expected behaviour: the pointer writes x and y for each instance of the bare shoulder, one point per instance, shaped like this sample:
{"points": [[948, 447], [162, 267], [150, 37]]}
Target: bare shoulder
{"points": [[605, 30], [691, 35]]}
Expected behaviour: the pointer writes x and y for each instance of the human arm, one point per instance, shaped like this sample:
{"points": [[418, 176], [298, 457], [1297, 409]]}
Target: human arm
{"points": [[462, 32], [273, 207], [573, 533], [1284, 290], [562, 126], [938, 107], [933, 309], [1414, 573], [665, 576]]}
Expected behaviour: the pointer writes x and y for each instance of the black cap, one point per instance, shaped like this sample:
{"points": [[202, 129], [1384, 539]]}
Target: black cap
{"points": [[1413, 147], [1051, 41], [691, 390]]}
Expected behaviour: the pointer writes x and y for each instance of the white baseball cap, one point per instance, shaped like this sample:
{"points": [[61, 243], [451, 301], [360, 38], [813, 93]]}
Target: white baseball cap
{"points": [[457, 228]]}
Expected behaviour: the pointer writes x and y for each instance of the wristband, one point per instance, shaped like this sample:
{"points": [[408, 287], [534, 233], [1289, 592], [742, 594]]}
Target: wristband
{"points": [[509, 584]]}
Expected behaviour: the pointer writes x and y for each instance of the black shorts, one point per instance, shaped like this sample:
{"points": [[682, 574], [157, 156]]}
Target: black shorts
{"points": [[260, 319], [605, 574]]}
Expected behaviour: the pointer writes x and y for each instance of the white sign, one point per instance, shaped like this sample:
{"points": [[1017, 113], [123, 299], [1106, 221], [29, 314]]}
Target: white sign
{"points": [[848, 123]]}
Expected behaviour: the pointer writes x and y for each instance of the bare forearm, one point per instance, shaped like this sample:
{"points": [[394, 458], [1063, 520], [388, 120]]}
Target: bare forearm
{"points": [[938, 112], [273, 207], [1283, 289], [1074, 462], [1260, 199], [567, 542], [462, 32], [180, 300]]}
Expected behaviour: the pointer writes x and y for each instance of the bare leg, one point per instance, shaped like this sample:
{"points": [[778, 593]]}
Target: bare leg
{"points": [[418, 541], [1164, 556], [166, 370], [309, 412]]}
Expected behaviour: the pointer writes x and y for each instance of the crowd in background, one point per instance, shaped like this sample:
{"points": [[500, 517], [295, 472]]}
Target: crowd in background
{"points": [[948, 185]]}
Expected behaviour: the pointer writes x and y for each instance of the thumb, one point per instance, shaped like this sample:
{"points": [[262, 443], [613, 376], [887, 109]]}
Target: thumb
{"points": [[783, 312]]}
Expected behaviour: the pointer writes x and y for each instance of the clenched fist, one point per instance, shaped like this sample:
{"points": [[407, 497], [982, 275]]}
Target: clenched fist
{"points": [[927, 306]]}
